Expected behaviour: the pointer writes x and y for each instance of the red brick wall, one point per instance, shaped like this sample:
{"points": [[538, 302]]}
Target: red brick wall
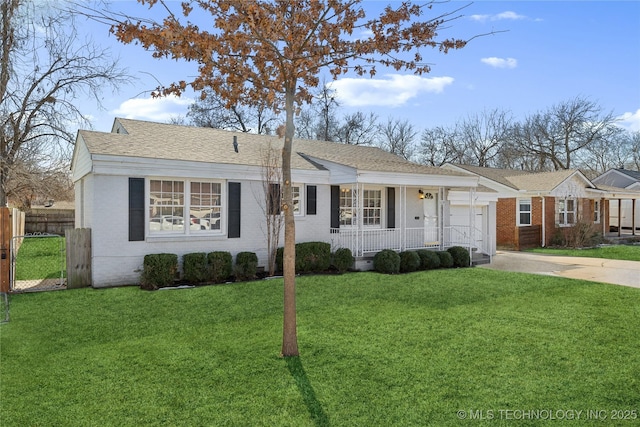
{"points": [[506, 223]]}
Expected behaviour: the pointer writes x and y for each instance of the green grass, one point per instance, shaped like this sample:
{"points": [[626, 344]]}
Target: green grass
{"points": [[622, 252], [376, 350], [41, 258]]}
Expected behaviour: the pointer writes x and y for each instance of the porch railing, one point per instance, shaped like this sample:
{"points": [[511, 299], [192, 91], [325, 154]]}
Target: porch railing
{"points": [[362, 242]]}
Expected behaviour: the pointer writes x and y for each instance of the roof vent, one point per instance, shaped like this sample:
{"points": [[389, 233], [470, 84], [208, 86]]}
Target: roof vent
{"points": [[235, 143]]}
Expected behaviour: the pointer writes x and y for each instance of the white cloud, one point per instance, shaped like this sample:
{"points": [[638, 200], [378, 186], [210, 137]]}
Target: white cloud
{"points": [[630, 121], [154, 109], [393, 90], [508, 15], [500, 62]]}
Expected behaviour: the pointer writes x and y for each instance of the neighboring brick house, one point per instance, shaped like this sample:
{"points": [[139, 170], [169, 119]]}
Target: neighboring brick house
{"points": [[534, 209]]}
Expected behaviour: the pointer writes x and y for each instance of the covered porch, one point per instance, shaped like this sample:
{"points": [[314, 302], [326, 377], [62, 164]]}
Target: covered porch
{"points": [[370, 217]]}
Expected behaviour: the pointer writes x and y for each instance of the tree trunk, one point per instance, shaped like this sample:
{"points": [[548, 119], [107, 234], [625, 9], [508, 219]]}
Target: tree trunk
{"points": [[289, 332]]}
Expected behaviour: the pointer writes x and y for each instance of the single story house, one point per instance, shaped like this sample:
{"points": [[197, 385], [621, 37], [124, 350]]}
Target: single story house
{"points": [[149, 188], [624, 208], [533, 208]]}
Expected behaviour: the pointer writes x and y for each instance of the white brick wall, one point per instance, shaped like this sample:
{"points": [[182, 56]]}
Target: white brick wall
{"points": [[116, 261]]}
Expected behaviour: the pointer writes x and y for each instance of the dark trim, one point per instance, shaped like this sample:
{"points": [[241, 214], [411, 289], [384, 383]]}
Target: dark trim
{"points": [[391, 207], [335, 206], [233, 217], [136, 209], [311, 199], [274, 204]]}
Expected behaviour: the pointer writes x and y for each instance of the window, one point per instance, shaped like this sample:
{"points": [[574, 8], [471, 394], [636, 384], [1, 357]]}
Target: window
{"points": [[524, 212], [596, 211], [347, 211], [274, 199], [170, 201], [566, 212], [204, 212], [371, 207], [297, 201]]}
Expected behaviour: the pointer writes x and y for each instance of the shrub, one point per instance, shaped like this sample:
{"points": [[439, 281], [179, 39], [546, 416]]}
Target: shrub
{"points": [[194, 267], [386, 261], [313, 257], [446, 260], [429, 260], [409, 261], [460, 256], [343, 259], [159, 270], [246, 266], [220, 266]]}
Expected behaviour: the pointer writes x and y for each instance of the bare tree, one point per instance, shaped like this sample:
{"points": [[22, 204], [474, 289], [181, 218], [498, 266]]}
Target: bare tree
{"points": [[271, 203], [483, 135], [613, 149], [440, 145], [44, 74], [635, 150], [558, 134], [212, 111], [325, 104], [358, 129], [396, 136]]}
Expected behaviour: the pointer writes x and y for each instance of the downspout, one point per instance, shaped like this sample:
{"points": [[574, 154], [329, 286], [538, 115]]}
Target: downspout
{"points": [[544, 222]]}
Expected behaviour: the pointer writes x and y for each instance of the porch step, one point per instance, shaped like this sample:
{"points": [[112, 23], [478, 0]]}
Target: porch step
{"points": [[479, 258]]}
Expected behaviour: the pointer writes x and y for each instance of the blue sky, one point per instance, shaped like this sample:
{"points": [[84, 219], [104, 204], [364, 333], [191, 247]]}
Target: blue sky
{"points": [[551, 52]]}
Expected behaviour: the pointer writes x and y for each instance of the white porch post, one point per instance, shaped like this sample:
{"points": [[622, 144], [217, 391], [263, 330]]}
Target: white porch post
{"points": [[441, 216], [472, 214], [403, 220]]}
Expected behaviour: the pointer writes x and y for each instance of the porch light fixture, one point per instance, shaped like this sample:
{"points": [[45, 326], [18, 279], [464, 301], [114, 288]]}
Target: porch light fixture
{"points": [[420, 194]]}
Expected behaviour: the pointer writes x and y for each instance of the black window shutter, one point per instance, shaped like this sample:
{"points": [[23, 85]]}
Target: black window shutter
{"points": [[335, 206], [311, 199], [391, 207], [233, 217], [136, 209], [274, 201]]}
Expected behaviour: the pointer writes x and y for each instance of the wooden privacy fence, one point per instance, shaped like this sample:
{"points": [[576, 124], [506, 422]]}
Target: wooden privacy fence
{"points": [[11, 224], [49, 220], [528, 237], [78, 257]]}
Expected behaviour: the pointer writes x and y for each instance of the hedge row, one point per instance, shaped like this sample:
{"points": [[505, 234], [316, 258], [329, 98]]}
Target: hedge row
{"points": [[159, 270], [316, 257], [389, 261]]}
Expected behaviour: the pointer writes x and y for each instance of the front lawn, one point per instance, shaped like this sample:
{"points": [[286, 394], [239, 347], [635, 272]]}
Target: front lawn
{"points": [[622, 252], [437, 348]]}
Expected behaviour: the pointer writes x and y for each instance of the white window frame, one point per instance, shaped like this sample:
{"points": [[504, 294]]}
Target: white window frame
{"points": [[346, 209], [379, 208], [298, 209], [360, 208], [519, 212], [562, 211], [596, 211], [186, 229]]}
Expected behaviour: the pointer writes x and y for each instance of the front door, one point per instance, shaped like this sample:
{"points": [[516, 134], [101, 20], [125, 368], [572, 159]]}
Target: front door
{"points": [[430, 207]]}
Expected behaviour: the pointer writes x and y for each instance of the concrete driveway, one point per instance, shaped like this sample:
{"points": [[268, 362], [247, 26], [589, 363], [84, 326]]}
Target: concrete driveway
{"points": [[626, 273]]}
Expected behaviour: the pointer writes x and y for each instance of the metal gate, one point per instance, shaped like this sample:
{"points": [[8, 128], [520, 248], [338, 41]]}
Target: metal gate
{"points": [[38, 262]]}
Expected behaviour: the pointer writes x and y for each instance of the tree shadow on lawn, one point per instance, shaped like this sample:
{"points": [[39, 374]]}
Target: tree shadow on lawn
{"points": [[319, 417]]}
